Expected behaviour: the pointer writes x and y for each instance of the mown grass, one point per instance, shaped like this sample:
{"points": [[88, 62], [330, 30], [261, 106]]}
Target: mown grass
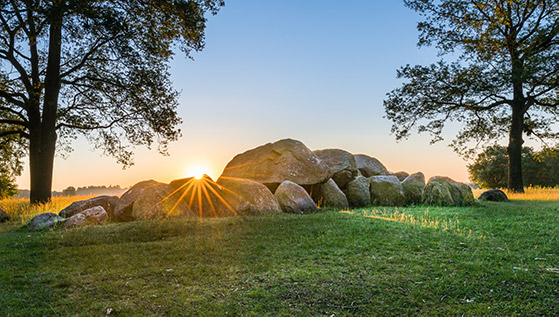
{"points": [[488, 259]]}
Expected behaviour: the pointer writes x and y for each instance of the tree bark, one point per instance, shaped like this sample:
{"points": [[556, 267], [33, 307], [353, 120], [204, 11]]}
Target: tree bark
{"points": [[41, 163], [515, 183], [42, 143]]}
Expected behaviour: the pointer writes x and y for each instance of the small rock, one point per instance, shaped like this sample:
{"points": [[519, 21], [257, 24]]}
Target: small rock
{"points": [[90, 217], [493, 195], [4, 216], [45, 221]]}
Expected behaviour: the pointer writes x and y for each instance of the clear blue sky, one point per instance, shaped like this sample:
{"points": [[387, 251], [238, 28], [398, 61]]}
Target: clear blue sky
{"points": [[316, 71]]}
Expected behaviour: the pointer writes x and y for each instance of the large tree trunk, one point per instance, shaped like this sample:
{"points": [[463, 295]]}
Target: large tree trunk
{"points": [[515, 183], [41, 163], [42, 143]]}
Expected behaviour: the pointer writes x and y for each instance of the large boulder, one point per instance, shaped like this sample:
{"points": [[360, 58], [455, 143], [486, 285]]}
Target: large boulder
{"points": [[443, 191], [157, 202], [45, 221], [294, 199], [183, 183], [413, 187], [4, 216], [341, 165], [246, 197], [386, 190], [493, 195], [401, 175], [358, 192], [206, 198], [91, 217], [329, 195], [107, 202], [274, 163], [124, 206], [369, 166]]}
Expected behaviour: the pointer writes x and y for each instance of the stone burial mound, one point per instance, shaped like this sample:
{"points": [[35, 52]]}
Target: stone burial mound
{"points": [[284, 176]]}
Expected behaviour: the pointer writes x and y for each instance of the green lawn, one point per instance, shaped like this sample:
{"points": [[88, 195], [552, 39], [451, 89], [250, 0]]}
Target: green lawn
{"points": [[329, 263]]}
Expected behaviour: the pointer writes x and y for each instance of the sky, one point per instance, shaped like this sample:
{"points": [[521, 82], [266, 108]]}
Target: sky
{"points": [[315, 71]]}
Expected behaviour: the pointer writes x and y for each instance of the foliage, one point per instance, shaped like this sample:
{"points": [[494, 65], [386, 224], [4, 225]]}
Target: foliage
{"points": [[504, 81], [7, 186], [326, 263], [95, 68], [489, 170], [11, 152]]}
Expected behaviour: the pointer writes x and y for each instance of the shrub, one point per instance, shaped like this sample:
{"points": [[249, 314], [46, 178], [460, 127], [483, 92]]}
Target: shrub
{"points": [[490, 168]]}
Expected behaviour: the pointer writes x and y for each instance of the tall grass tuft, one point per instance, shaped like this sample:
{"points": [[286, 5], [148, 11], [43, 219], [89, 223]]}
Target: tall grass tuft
{"points": [[530, 193], [21, 211]]}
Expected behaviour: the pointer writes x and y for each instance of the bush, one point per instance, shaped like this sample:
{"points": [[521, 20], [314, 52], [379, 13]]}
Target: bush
{"points": [[490, 168]]}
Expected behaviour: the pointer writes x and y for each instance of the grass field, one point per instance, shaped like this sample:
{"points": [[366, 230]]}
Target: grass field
{"points": [[489, 259]]}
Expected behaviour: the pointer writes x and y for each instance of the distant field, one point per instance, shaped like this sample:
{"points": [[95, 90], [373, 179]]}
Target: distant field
{"points": [[489, 259]]}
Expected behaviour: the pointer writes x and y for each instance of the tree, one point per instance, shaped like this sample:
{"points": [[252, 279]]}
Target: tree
{"points": [[504, 81], [92, 67], [69, 191]]}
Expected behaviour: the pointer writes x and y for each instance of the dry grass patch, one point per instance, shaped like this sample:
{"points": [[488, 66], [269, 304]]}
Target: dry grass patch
{"points": [[530, 193], [21, 211]]}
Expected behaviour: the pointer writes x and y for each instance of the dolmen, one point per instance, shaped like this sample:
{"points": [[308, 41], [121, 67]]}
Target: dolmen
{"points": [[280, 177]]}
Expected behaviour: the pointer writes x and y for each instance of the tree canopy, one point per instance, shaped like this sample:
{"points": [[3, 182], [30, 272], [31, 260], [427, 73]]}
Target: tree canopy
{"points": [[95, 68], [502, 80]]}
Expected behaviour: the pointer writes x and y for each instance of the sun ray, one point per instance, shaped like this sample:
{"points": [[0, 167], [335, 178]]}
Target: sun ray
{"points": [[199, 200], [209, 199], [223, 200], [193, 194], [227, 189]]}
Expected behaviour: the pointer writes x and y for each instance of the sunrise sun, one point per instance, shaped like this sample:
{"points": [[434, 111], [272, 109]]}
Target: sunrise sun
{"points": [[197, 171]]}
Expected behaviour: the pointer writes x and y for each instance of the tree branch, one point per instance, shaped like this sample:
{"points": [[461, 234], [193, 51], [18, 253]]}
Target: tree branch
{"points": [[14, 122], [85, 58], [14, 132], [11, 98]]}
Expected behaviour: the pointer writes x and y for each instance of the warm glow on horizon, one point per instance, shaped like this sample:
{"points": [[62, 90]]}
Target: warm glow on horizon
{"points": [[197, 171]]}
